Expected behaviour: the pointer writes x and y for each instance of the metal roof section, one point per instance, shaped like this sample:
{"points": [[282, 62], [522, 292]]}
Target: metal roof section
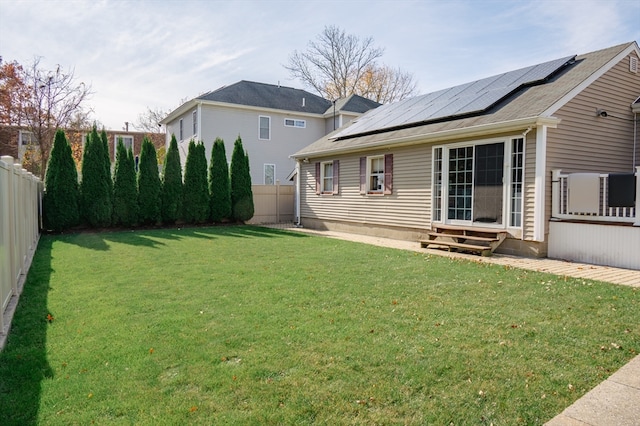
{"points": [[463, 100]]}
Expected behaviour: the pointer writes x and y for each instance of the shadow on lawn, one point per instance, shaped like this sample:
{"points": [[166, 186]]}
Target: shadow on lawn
{"points": [[152, 238], [23, 363]]}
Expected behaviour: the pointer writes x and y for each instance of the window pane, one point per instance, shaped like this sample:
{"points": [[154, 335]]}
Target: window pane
{"points": [[264, 127], [269, 174]]}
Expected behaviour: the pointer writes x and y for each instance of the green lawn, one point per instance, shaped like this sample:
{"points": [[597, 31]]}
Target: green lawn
{"points": [[248, 325]]}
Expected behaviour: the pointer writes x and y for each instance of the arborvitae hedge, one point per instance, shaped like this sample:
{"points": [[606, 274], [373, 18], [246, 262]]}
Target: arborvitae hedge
{"points": [[148, 185], [61, 196], [219, 183], [125, 192], [171, 198], [96, 183], [107, 163], [196, 191], [241, 193]]}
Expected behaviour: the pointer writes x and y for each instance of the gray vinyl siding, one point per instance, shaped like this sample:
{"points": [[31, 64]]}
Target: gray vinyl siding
{"points": [[584, 142], [409, 206], [228, 123], [529, 186]]}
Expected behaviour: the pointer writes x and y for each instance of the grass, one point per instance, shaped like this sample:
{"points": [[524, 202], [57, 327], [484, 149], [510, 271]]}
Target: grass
{"points": [[248, 325]]}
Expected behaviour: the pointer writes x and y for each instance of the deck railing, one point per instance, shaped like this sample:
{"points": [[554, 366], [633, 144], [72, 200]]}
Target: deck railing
{"points": [[560, 208]]}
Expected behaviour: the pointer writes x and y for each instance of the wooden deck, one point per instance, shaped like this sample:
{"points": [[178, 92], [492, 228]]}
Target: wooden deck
{"points": [[483, 241]]}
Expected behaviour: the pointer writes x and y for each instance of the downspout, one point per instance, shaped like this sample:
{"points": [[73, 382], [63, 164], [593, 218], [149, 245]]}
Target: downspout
{"points": [[199, 118], [635, 138], [297, 212]]}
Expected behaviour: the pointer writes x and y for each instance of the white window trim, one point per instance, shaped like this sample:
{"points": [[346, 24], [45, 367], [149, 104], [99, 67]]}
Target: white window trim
{"points": [[115, 143], [506, 184], [508, 170], [194, 118], [323, 187], [260, 117], [539, 191], [370, 175], [299, 124], [264, 174], [181, 129], [22, 135]]}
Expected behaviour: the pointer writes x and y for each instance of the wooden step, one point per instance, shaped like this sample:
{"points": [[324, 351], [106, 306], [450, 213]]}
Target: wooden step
{"points": [[462, 236], [480, 240], [483, 250]]}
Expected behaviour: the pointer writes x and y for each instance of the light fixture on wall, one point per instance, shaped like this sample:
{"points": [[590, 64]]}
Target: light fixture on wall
{"points": [[601, 113]]}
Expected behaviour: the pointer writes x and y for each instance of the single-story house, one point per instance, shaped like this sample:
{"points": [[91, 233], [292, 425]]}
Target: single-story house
{"points": [[272, 120], [481, 156]]}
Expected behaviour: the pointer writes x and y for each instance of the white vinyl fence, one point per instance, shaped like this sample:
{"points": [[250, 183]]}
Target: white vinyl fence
{"points": [[20, 198], [272, 203]]}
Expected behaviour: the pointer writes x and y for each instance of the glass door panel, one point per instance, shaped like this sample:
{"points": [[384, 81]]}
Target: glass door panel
{"points": [[475, 184], [460, 183], [487, 186]]}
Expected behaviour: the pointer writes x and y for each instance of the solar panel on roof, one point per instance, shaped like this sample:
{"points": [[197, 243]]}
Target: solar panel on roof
{"points": [[469, 98]]}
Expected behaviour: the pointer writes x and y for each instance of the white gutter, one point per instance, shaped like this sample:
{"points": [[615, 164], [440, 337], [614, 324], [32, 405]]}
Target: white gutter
{"points": [[297, 205]]}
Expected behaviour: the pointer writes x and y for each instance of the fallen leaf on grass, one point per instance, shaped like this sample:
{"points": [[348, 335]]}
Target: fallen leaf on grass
{"points": [[192, 409], [50, 318], [150, 351]]}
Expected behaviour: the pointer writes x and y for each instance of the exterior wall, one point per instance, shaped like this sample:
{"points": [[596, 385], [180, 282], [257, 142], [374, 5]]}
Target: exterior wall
{"points": [[407, 207], [9, 140], [341, 119], [229, 122], [158, 139], [406, 213], [529, 185], [610, 245], [585, 142]]}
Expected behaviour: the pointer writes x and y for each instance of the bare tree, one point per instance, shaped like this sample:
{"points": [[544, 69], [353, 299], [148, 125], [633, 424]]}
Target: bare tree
{"points": [[384, 84], [337, 65], [149, 121], [54, 101]]}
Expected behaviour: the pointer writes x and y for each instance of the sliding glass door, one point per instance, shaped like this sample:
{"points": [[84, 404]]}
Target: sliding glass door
{"points": [[475, 184]]}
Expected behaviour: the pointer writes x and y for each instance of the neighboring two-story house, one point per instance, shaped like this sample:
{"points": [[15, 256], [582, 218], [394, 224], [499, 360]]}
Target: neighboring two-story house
{"points": [[273, 121]]}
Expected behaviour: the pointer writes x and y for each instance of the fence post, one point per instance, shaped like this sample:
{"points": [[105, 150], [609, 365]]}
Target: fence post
{"points": [[11, 212], [278, 201], [5, 247], [19, 219], [637, 222], [555, 193]]}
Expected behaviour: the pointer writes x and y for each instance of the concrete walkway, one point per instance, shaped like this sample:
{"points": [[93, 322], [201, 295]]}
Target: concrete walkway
{"points": [[614, 402]]}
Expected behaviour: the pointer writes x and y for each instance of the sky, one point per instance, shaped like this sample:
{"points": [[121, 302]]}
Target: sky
{"points": [[157, 54]]}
